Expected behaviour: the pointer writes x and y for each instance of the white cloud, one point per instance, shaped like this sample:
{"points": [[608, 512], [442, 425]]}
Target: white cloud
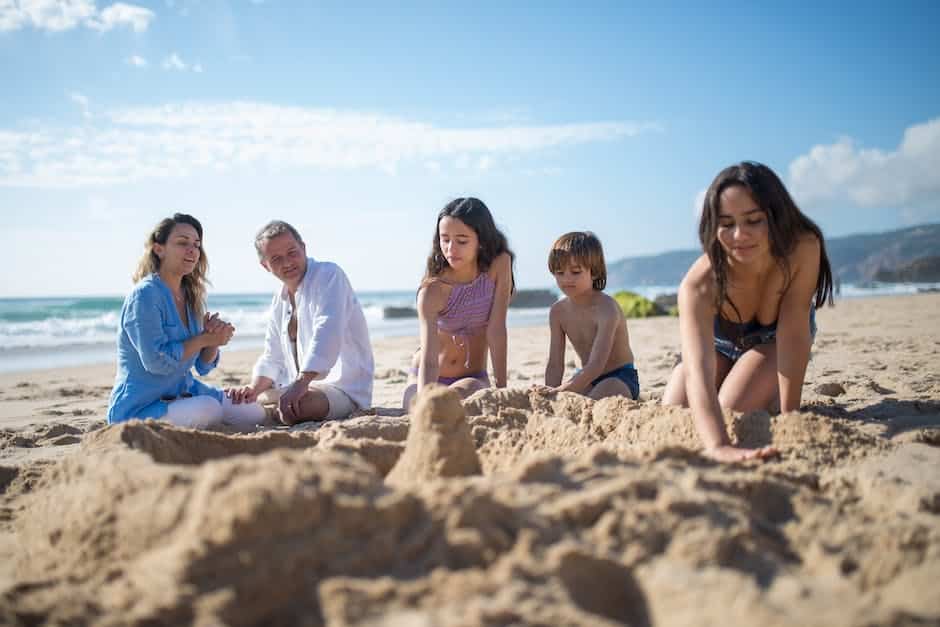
{"points": [[136, 61], [62, 15], [120, 14], [82, 101], [178, 140], [174, 62], [844, 172]]}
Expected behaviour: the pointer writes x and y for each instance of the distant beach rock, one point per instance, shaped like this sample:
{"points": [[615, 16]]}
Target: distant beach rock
{"points": [[391, 312], [668, 303], [527, 299], [923, 270], [636, 306]]}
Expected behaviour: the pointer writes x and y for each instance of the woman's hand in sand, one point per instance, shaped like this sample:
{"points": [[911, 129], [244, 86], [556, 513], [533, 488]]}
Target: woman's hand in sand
{"points": [[245, 394], [542, 389], [728, 453]]}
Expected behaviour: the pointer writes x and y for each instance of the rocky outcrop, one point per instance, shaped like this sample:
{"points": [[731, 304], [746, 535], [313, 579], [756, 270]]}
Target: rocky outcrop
{"points": [[923, 270], [523, 299]]}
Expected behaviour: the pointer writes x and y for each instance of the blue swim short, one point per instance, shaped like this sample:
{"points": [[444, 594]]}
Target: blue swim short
{"points": [[626, 373]]}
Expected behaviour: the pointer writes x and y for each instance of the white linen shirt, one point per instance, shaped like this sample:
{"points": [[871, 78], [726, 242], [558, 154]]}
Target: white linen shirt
{"points": [[332, 336]]}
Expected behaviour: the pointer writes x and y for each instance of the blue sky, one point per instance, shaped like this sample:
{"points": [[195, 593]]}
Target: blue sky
{"points": [[359, 124]]}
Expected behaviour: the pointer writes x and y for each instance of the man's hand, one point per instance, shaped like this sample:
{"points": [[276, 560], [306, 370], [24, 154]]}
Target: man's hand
{"points": [[289, 403], [245, 394]]}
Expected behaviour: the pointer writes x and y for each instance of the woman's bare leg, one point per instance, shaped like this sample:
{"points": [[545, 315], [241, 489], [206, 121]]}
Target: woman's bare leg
{"points": [[674, 394], [752, 383]]}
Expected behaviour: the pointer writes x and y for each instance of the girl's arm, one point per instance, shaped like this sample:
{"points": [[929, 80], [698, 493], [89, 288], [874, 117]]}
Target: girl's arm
{"points": [[609, 316], [699, 363], [555, 369], [496, 336], [793, 334], [429, 305]]}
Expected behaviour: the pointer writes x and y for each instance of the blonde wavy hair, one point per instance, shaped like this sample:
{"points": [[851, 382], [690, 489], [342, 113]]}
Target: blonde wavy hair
{"points": [[195, 284]]}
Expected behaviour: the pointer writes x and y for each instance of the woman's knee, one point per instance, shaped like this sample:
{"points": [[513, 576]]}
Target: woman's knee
{"points": [[674, 394], [408, 397], [196, 412]]}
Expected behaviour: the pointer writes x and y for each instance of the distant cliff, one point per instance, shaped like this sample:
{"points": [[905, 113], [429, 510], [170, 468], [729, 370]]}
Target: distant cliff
{"points": [[854, 259]]}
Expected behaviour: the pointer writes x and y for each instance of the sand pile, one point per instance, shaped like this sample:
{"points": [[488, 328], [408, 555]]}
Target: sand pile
{"points": [[439, 442], [514, 507]]}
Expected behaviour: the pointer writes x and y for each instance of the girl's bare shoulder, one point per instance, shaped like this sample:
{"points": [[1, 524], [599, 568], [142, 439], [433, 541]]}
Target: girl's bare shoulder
{"points": [[699, 280], [433, 294], [501, 266], [807, 249]]}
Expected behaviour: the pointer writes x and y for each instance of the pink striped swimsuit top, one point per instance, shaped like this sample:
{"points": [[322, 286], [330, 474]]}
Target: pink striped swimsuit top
{"points": [[468, 309]]}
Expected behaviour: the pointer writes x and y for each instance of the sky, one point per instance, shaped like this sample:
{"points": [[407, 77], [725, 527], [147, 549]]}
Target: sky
{"points": [[357, 124]]}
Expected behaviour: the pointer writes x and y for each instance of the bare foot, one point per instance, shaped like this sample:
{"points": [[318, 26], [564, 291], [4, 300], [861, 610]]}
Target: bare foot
{"points": [[728, 453]]}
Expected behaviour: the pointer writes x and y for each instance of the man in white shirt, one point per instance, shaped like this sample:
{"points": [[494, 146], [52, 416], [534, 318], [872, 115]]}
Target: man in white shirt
{"points": [[317, 362]]}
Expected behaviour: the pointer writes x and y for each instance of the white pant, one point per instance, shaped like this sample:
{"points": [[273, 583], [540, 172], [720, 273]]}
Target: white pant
{"points": [[200, 412]]}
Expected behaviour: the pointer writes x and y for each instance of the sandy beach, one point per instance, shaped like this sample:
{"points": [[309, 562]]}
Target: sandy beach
{"points": [[513, 507]]}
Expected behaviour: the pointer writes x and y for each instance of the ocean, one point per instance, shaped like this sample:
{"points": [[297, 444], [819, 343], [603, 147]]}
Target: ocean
{"points": [[40, 333]]}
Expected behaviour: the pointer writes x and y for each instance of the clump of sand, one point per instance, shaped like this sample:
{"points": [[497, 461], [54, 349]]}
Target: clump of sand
{"points": [[439, 442], [513, 507]]}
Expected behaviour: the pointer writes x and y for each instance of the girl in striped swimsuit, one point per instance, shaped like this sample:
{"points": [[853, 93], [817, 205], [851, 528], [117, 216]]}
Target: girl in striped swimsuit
{"points": [[462, 302]]}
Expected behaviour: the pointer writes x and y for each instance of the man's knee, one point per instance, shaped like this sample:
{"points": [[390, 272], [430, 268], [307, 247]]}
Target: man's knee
{"points": [[316, 405]]}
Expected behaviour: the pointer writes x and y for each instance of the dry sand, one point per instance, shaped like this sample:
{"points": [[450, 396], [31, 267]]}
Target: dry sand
{"points": [[513, 507]]}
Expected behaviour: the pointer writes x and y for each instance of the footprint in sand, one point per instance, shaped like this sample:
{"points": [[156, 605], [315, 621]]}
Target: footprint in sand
{"points": [[830, 389], [873, 385]]}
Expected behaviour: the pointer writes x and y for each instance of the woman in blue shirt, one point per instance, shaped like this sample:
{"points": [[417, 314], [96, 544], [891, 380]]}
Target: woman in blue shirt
{"points": [[165, 332]]}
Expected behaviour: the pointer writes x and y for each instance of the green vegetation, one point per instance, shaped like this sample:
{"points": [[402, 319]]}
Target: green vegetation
{"points": [[635, 306]]}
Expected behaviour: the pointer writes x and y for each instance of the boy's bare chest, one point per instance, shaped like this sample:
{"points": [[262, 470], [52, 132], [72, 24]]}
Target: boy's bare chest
{"points": [[580, 331]]}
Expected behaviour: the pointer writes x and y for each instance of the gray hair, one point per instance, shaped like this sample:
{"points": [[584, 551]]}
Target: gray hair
{"points": [[271, 230]]}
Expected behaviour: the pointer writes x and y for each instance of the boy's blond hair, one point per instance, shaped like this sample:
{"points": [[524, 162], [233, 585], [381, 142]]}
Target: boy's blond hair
{"points": [[581, 248]]}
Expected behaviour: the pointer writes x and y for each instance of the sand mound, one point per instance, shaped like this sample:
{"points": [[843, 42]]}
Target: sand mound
{"points": [[439, 442], [514, 507]]}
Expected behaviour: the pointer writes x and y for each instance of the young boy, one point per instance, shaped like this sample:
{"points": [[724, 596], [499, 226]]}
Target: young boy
{"points": [[591, 320]]}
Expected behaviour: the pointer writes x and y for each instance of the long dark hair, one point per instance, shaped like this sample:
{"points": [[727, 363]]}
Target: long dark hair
{"points": [[786, 223], [475, 214], [195, 284]]}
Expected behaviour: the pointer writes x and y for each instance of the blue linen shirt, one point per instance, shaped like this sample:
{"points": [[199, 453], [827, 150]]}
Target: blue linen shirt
{"points": [[150, 350]]}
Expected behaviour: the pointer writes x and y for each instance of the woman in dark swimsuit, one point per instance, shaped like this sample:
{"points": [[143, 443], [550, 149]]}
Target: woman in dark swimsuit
{"points": [[462, 302], [747, 306]]}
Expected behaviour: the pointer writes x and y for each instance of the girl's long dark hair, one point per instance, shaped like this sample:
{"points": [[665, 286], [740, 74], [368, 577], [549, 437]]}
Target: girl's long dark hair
{"points": [[786, 223], [475, 214]]}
